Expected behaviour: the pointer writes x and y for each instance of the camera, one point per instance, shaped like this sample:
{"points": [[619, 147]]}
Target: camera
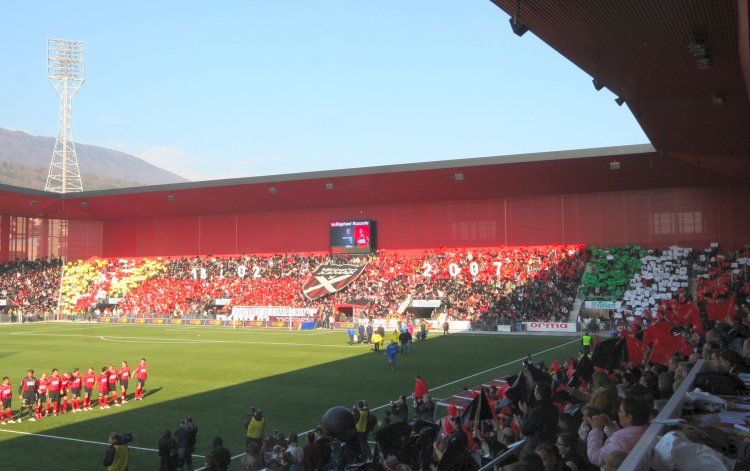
{"points": [[126, 438]]}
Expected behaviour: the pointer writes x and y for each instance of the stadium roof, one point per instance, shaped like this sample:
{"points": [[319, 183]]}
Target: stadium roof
{"points": [[683, 67], [576, 171]]}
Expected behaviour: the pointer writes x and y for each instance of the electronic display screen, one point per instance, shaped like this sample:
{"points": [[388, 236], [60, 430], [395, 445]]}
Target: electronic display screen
{"points": [[353, 237]]}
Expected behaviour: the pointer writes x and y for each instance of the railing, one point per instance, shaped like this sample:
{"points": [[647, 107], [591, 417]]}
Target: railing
{"points": [[640, 458], [513, 448]]}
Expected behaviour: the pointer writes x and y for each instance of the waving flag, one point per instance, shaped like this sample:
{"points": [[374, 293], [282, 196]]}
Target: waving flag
{"points": [[609, 353], [328, 279], [719, 311]]}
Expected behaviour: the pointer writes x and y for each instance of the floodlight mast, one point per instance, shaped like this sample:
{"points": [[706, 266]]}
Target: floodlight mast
{"points": [[66, 73]]}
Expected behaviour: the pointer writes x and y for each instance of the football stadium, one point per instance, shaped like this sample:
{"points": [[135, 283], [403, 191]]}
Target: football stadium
{"points": [[542, 311]]}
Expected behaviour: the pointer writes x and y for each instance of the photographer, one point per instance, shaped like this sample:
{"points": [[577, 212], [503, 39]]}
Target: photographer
{"points": [[255, 428], [222, 455], [186, 435], [361, 417], [167, 451], [116, 457], [400, 410]]}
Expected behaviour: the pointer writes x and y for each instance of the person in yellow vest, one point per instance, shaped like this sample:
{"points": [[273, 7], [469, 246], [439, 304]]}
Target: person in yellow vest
{"points": [[377, 339], [586, 343], [255, 428], [116, 457], [362, 414], [394, 336]]}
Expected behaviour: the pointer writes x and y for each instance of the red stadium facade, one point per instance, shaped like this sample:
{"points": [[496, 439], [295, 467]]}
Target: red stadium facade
{"points": [[572, 197]]}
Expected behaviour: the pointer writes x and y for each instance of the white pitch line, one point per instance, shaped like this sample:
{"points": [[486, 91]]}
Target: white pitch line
{"points": [[127, 339], [78, 440], [68, 329]]}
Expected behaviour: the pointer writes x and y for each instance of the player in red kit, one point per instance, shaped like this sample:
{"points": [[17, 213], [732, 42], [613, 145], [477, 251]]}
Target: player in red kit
{"points": [[27, 394], [75, 389], [362, 236], [64, 384], [42, 387], [6, 396], [140, 374], [89, 381], [54, 386], [112, 383], [124, 374], [103, 382]]}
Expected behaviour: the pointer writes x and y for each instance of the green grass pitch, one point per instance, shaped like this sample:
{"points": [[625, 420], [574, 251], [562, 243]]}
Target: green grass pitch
{"points": [[217, 374]]}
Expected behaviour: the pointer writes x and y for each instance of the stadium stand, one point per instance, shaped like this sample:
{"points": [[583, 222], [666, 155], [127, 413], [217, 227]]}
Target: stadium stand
{"points": [[518, 282], [31, 287]]}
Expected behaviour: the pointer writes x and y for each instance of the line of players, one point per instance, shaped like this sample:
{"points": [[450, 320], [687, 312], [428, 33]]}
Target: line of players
{"points": [[39, 395]]}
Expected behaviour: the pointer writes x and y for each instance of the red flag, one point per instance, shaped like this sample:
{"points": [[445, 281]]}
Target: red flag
{"points": [[448, 426], [635, 350], [663, 343], [689, 314], [719, 311]]}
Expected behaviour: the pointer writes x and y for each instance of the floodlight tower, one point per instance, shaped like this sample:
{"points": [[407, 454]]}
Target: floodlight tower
{"points": [[65, 72]]}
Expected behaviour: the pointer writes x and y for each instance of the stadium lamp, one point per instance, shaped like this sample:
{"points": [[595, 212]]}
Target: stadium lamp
{"points": [[614, 165], [598, 84], [272, 190], [458, 176], [701, 55], [619, 100], [171, 198], [84, 204], [34, 202], [518, 27], [329, 185]]}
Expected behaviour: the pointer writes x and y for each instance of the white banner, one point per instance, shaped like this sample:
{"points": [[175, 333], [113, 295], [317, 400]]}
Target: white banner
{"points": [[550, 326], [426, 303], [602, 304], [503, 328], [264, 313]]}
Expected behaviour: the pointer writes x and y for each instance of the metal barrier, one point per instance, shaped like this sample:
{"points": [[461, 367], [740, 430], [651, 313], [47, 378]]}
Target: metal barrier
{"points": [[640, 458], [513, 448]]}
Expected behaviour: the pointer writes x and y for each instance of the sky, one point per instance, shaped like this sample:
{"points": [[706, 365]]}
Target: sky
{"points": [[212, 90]]}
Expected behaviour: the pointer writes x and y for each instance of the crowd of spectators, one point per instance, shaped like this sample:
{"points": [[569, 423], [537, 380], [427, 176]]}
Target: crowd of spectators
{"points": [[682, 285], [30, 288], [481, 285], [485, 286]]}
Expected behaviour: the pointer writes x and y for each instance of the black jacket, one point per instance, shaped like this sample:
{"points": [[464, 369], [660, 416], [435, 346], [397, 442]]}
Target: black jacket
{"points": [[539, 425]]}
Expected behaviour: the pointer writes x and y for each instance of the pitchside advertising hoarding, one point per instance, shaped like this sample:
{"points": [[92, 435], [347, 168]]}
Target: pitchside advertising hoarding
{"points": [[550, 326], [296, 325], [455, 326]]}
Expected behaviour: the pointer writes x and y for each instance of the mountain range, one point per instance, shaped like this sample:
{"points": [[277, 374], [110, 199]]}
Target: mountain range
{"points": [[25, 160]]}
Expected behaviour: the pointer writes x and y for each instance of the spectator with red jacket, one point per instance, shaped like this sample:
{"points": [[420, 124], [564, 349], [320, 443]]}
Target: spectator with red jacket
{"points": [[420, 389]]}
